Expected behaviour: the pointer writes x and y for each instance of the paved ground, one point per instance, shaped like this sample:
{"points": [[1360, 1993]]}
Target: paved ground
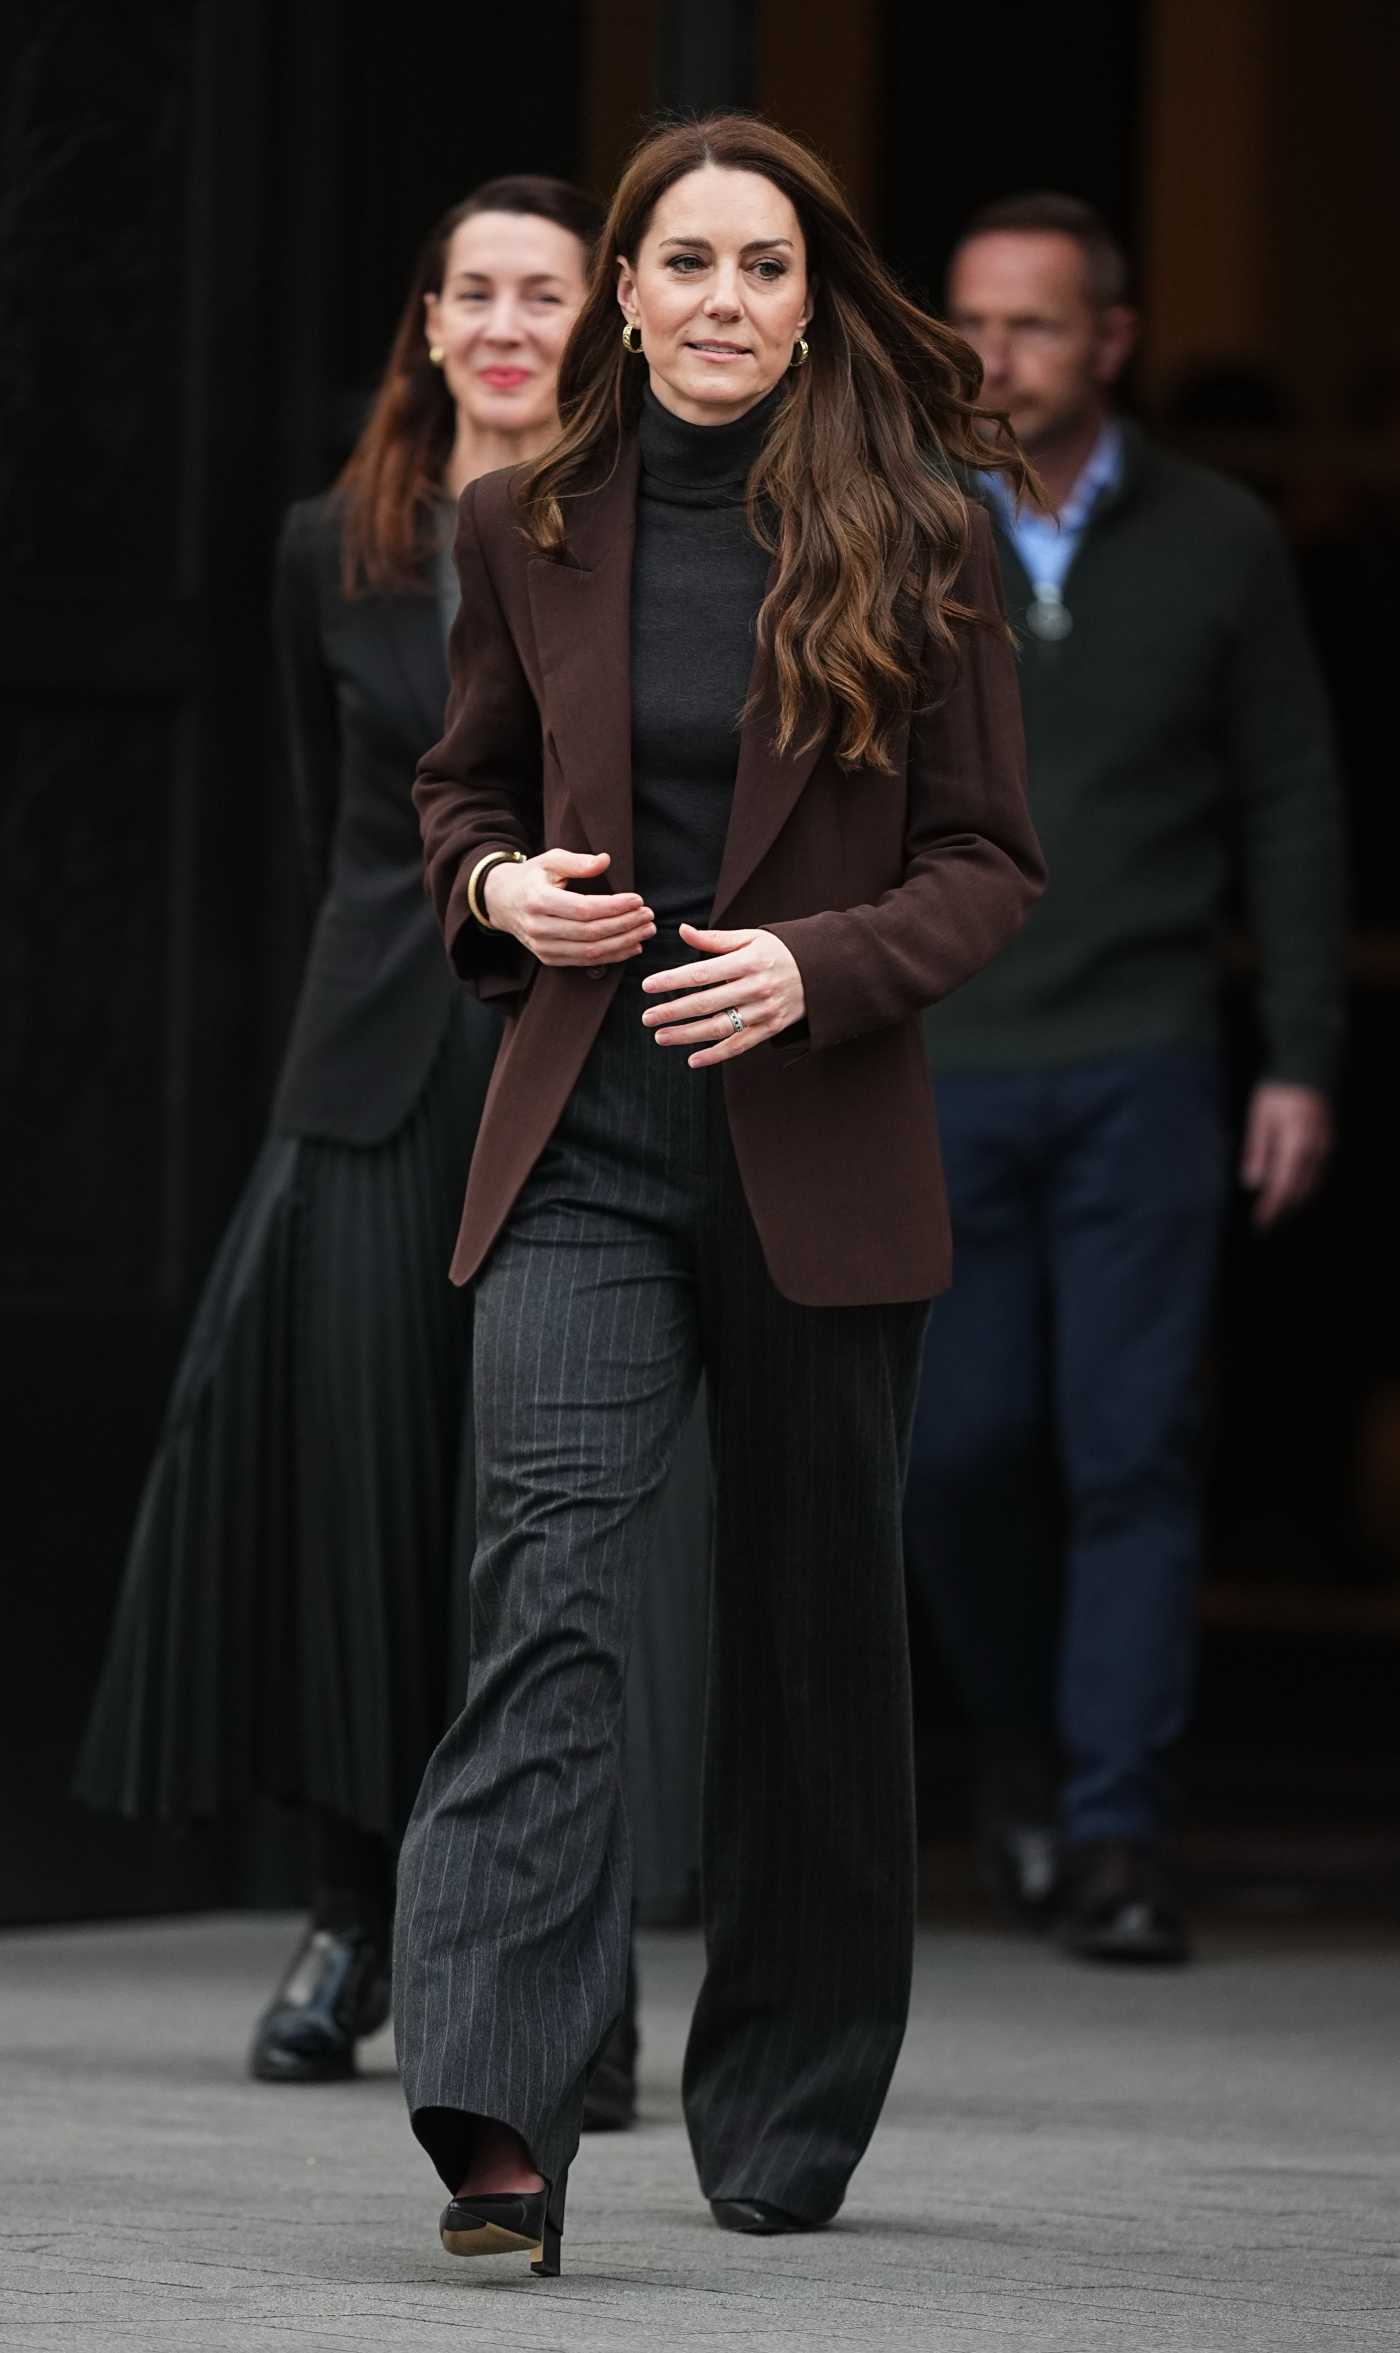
{"points": [[1071, 2162]]}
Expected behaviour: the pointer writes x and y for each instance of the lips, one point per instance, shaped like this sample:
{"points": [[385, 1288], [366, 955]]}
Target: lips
{"points": [[505, 379], [709, 350]]}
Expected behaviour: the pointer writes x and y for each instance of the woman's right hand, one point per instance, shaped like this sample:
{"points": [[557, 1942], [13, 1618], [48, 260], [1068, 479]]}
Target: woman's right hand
{"points": [[560, 925]]}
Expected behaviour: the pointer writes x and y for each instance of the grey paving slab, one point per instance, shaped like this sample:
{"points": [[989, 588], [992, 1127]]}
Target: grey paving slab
{"points": [[1070, 2163]]}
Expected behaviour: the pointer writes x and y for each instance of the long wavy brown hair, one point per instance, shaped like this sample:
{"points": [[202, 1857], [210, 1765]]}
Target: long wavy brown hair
{"points": [[859, 488], [394, 474]]}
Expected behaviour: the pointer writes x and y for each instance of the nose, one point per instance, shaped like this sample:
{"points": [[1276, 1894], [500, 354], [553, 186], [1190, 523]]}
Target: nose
{"points": [[501, 324], [994, 351], [722, 300]]}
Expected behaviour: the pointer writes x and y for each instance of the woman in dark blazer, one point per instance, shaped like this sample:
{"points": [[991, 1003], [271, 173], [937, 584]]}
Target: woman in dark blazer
{"points": [[291, 1619], [731, 789]]}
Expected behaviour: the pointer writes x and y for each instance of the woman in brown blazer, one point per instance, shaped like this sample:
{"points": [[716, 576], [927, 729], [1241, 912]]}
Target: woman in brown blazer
{"points": [[731, 789]]}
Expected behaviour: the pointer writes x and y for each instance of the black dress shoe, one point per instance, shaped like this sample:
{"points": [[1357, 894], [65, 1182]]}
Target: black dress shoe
{"points": [[610, 2095], [336, 1991], [1118, 1906], [757, 2217]]}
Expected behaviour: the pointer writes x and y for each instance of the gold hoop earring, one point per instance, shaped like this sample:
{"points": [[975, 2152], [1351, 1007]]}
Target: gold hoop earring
{"points": [[628, 332], [799, 353], [436, 354]]}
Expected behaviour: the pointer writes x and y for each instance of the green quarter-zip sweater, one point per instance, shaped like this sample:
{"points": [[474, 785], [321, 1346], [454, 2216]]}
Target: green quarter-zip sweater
{"points": [[1180, 755]]}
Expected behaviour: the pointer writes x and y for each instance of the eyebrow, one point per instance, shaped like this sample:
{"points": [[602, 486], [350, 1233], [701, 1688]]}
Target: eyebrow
{"points": [[1015, 318], [755, 244], [536, 277]]}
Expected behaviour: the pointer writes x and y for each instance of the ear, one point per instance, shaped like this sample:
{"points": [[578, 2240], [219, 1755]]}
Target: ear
{"points": [[627, 288], [1118, 334], [430, 312]]}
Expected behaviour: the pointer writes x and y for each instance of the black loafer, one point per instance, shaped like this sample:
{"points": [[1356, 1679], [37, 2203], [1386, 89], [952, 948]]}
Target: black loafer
{"points": [[1118, 1907], [335, 1992], [756, 2217]]}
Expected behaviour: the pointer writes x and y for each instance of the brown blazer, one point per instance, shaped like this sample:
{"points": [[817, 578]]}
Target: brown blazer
{"points": [[889, 891]]}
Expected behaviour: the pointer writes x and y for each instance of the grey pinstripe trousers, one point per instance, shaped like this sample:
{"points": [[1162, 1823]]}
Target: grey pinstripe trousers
{"points": [[629, 1262]]}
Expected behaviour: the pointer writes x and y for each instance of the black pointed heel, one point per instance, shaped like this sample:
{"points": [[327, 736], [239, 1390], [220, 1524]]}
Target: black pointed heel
{"points": [[546, 2263], [509, 2222]]}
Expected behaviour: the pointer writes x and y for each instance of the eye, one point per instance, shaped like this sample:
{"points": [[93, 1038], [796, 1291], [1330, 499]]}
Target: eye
{"points": [[681, 263], [769, 268]]}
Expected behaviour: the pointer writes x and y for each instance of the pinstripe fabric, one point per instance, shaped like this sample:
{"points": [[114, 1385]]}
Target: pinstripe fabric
{"points": [[629, 1261]]}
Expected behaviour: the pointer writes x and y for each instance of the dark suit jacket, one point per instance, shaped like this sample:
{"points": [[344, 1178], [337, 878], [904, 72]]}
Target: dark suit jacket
{"points": [[889, 891], [364, 682]]}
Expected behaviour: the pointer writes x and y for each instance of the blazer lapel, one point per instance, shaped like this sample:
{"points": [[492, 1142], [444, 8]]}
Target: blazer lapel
{"points": [[766, 787], [581, 609]]}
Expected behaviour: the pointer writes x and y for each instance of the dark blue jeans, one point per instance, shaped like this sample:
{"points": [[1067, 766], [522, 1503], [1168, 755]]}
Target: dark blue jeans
{"points": [[1052, 1512]]}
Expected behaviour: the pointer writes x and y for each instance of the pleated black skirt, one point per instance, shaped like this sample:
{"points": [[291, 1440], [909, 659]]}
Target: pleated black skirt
{"points": [[291, 1621]]}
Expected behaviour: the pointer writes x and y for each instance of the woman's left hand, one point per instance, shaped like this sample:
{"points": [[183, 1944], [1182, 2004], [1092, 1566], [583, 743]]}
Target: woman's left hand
{"points": [[751, 971]]}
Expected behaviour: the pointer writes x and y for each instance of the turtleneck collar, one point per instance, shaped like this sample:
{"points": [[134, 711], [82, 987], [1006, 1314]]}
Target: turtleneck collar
{"points": [[701, 465]]}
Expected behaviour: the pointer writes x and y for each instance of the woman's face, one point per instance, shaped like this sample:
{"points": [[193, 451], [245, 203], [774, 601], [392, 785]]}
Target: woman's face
{"points": [[512, 286], [719, 290]]}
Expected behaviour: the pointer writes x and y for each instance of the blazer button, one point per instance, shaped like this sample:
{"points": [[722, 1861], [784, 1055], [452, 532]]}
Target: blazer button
{"points": [[596, 971]]}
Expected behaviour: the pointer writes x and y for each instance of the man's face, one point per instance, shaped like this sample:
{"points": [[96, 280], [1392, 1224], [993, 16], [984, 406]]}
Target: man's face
{"points": [[1022, 299]]}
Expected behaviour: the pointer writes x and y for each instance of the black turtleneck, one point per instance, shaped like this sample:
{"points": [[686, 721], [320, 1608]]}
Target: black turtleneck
{"points": [[698, 578]]}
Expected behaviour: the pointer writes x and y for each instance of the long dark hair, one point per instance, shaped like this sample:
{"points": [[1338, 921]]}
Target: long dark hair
{"points": [[395, 470], [859, 487]]}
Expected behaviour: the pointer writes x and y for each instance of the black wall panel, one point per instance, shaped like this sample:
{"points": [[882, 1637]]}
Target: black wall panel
{"points": [[210, 208], [988, 101], [85, 895]]}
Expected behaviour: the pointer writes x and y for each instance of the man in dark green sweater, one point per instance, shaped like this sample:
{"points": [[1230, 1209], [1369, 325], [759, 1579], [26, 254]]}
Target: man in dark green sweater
{"points": [[1179, 746]]}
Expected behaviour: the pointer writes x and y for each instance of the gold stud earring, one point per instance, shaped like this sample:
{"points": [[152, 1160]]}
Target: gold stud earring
{"points": [[627, 334], [799, 353], [436, 354]]}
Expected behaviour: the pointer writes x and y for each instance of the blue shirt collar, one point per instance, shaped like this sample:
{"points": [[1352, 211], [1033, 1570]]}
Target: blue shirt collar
{"points": [[1102, 470], [1046, 544]]}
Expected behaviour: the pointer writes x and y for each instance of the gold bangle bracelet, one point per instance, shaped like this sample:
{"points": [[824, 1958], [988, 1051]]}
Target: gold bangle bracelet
{"points": [[482, 868]]}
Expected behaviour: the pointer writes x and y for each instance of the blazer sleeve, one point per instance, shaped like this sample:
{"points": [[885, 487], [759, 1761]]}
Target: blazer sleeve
{"points": [[309, 709], [973, 866], [479, 788]]}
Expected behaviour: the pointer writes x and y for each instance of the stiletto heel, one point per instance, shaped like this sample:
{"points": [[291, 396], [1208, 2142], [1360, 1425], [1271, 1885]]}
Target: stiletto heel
{"points": [[546, 2263], [508, 2222]]}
